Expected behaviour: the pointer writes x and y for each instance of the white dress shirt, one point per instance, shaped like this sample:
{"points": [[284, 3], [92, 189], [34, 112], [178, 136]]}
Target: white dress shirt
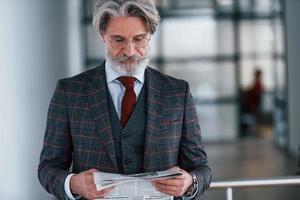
{"points": [[117, 89]]}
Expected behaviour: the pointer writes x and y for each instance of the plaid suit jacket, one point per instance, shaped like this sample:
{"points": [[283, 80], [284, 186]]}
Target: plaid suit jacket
{"points": [[78, 130]]}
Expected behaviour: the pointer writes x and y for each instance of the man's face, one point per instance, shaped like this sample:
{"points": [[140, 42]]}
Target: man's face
{"points": [[126, 40]]}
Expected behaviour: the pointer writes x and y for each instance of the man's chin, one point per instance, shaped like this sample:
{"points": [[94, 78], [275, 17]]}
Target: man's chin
{"points": [[129, 63], [129, 68]]}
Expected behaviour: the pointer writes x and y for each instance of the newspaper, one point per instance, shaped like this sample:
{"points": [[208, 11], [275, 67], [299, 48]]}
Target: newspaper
{"points": [[133, 186]]}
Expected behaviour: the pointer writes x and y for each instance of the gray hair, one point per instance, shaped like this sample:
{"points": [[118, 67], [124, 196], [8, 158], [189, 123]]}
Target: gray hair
{"points": [[144, 9]]}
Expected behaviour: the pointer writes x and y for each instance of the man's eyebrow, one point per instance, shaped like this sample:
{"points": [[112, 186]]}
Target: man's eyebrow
{"points": [[139, 35], [117, 36], [143, 35]]}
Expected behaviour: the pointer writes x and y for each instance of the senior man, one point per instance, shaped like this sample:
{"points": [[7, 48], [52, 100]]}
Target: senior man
{"points": [[122, 116]]}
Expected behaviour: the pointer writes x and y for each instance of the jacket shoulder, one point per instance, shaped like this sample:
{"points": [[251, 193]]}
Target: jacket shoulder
{"points": [[74, 84], [85, 76]]}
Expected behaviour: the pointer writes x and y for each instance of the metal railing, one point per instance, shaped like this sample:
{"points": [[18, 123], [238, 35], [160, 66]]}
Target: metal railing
{"points": [[253, 183]]}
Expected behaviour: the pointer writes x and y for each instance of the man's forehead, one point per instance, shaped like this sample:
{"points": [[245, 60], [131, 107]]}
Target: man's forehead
{"points": [[126, 26]]}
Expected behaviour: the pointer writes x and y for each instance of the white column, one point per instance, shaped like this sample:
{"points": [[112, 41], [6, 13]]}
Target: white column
{"points": [[293, 48], [34, 53]]}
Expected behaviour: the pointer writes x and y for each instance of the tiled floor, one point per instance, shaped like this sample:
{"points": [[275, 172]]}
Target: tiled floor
{"points": [[251, 158]]}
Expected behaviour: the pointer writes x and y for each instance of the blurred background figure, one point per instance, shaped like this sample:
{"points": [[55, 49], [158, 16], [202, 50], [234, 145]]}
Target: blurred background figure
{"points": [[251, 100]]}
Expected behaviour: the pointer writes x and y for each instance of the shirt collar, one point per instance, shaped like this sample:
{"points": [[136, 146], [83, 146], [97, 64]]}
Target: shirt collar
{"points": [[111, 75]]}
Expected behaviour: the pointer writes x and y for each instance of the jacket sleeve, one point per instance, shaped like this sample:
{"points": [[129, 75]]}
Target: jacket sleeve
{"points": [[192, 156], [56, 155]]}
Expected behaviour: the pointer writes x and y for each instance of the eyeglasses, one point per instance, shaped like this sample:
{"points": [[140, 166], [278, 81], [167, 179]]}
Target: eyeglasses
{"points": [[119, 42]]}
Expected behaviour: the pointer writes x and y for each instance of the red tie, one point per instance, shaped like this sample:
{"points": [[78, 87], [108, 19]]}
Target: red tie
{"points": [[129, 98]]}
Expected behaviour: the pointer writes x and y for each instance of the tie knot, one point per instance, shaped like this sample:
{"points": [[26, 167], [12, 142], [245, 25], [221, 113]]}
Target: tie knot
{"points": [[127, 81]]}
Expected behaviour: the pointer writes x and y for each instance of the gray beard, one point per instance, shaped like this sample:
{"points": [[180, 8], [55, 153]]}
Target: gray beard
{"points": [[127, 69]]}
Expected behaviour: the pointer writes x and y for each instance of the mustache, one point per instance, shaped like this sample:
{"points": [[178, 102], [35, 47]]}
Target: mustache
{"points": [[132, 58]]}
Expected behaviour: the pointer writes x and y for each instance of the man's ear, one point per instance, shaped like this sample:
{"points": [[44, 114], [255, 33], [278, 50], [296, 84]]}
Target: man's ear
{"points": [[102, 37]]}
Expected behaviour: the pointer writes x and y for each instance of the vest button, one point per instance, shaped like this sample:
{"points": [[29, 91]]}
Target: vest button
{"points": [[125, 135], [128, 161]]}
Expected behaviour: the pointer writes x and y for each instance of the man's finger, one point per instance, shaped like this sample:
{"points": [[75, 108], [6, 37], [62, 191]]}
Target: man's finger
{"points": [[102, 193], [166, 187], [166, 191], [90, 171], [175, 168], [174, 182], [106, 189]]}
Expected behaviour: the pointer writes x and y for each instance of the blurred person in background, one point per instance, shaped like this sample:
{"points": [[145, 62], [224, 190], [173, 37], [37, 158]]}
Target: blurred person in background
{"points": [[251, 104], [122, 116]]}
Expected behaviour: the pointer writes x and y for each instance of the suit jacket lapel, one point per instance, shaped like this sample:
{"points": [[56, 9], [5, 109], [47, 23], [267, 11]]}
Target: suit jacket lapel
{"points": [[153, 112], [96, 89]]}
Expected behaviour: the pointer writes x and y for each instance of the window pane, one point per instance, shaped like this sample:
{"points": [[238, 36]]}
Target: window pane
{"points": [[194, 3], [225, 6], [263, 6], [256, 36], [245, 5], [95, 47], [279, 37], [154, 44], [189, 37], [208, 80], [90, 4], [179, 4], [225, 37], [218, 122], [280, 73]]}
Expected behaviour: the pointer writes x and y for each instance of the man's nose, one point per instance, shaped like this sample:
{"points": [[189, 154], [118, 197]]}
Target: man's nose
{"points": [[129, 49]]}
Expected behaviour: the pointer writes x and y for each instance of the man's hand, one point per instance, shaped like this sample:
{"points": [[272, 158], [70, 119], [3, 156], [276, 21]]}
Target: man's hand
{"points": [[174, 186], [83, 185]]}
